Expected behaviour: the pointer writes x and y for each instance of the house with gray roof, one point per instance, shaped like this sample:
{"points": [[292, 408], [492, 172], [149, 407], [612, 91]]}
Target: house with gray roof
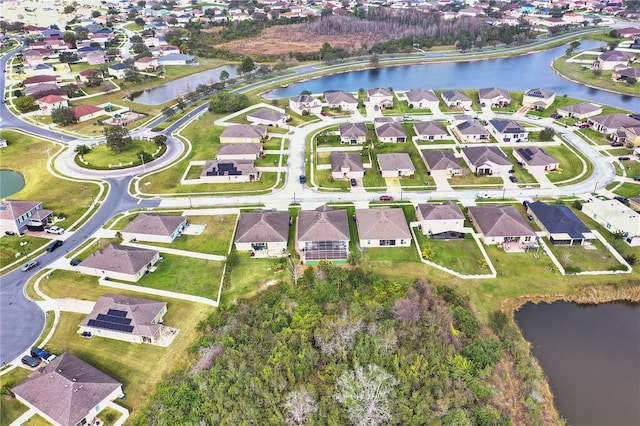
{"points": [[442, 162], [397, 164], [494, 97], [154, 228], [346, 165], [422, 99], [126, 318], [456, 98], [580, 111], [508, 131], [263, 233], [120, 262], [486, 160], [502, 224], [440, 220], [382, 227], [560, 224], [390, 132], [243, 133], [536, 160], [627, 74], [538, 98], [471, 131], [380, 97], [608, 124], [309, 103], [268, 117], [68, 391], [337, 99], [322, 234], [611, 59], [430, 131], [229, 171], [15, 215], [239, 151], [353, 133]]}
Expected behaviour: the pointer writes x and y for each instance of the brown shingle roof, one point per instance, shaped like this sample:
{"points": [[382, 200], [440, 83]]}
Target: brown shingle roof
{"points": [[263, 227], [118, 258], [441, 160], [323, 224], [445, 211], [82, 110], [244, 131], [13, 209], [154, 224], [500, 221], [382, 224], [340, 160]]}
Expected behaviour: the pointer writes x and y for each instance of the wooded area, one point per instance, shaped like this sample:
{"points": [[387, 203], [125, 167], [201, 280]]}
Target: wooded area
{"points": [[345, 346]]}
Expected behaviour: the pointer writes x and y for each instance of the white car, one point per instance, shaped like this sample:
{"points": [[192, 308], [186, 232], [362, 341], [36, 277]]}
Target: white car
{"points": [[55, 230]]}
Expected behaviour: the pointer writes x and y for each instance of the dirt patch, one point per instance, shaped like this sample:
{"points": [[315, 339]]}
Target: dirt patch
{"points": [[274, 41]]}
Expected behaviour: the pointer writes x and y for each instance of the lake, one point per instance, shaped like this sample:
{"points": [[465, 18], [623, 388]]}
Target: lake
{"points": [[591, 356], [514, 73], [10, 183], [176, 88]]}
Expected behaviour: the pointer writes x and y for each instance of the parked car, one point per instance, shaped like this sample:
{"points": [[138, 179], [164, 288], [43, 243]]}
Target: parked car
{"points": [[623, 200], [35, 223], [54, 245], [386, 198], [42, 354], [583, 125], [513, 179], [636, 178], [555, 115], [29, 265], [75, 262], [617, 144], [324, 114], [529, 217], [483, 195], [9, 233], [86, 334], [353, 182], [302, 178], [624, 158], [55, 230], [30, 361]]}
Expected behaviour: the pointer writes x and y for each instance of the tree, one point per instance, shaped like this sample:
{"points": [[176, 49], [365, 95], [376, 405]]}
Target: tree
{"points": [[374, 60], [68, 57], [293, 268], [160, 140], [26, 104], [327, 53], [224, 75], [246, 66], [117, 138], [69, 9], [631, 80], [366, 393], [82, 149], [94, 79], [139, 21], [631, 259], [168, 111], [547, 134], [70, 89], [95, 14], [62, 116], [298, 406]]}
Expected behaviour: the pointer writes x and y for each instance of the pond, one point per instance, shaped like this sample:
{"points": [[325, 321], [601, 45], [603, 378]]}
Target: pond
{"points": [[176, 88], [514, 73], [10, 183], [591, 356]]}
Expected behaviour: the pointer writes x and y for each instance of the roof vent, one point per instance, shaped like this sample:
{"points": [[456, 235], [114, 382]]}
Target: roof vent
{"points": [[74, 379], [59, 370]]}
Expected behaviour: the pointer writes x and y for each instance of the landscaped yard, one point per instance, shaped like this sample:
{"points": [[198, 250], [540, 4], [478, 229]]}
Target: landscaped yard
{"points": [[469, 178], [628, 190], [579, 258], [11, 408], [462, 255], [570, 164], [102, 157], [522, 174]]}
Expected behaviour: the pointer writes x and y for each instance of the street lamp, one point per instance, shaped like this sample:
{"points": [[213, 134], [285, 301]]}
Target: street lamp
{"points": [[142, 158], [595, 188], [24, 251]]}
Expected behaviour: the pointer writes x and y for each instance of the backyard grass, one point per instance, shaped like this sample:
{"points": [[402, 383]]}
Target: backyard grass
{"points": [[102, 157], [11, 408], [10, 247], [388, 257], [632, 168], [252, 275], [569, 163], [579, 258], [323, 178], [628, 190], [470, 178], [458, 255], [27, 155]]}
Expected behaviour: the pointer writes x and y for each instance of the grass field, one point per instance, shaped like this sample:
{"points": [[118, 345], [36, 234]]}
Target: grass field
{"points": [[569, 163], [11, 246], [102, 157], [458, 255], [252, 275], [628, 190], [580, 258], [11, 409]]}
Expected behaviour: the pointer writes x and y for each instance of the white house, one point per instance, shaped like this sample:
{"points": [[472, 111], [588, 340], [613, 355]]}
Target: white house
{"points": [[422, 99], [430, 131], [382, 227], [536, 160], [337, 99], [263, 233], [440, 219], [615, 217], [502, 224], [154, 228], [486, 160], [389, 131], [268, 117], [346, 165], [229, 171], [508, 131], [120, 262], [456, 98], [380, 97], [308, 103], [397, 164], [50, 102]]}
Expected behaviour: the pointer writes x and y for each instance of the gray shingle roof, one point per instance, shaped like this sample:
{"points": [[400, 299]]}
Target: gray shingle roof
{"points": [[535, 156], [500, 221], [382, 224], [418, 95], [445, 211], [353, 130], [263, 227], [118, 258], [507, 126], [429, 128], [154, 224], [390, 130], [581, 108], [395, 161], [493, 92], [455, 96], [244, 131], [478, 155], [341, 160], [472, 127], [267, 114], [440, 160], [338, 96], [615, 120], [379, 91], [323, 224], [239, 149]]}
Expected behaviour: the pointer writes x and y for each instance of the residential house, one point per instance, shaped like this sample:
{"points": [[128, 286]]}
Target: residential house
{"points": [[629, 32], [608, 124], [120, 262], [538, 98], [243, 133], [441, 221], [580, 111], [629, 75], [322, 234], [126, 318], [86, 112], [442, 163], [346, 165], [494, 97], [615, 217], [487, 160], [422, 99], [560, 224], [40, 69], [118, 71], [389, 131], [536, 160], [155, 228], [50, 102], [611, 59], [176, 59], [268, 117], [308, 103], [634, 203], [44, 89], [382, 227], [397, 164], [86, 74], [39, 79], [96, 58], [380, 97], [147, 63], [16, 214], [508, 131], [471, 131], [628, 135], [430, 131], [337, 99], [229, 171], [68, 391], [263, 233], [353, 133], [456, 98], [502, 224], [239, 151]]}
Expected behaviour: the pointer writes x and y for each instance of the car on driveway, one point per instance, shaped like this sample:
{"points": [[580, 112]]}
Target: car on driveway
{"points": [[54, 230], [625, 158], [636, 178], [30, 361], [617, 144], [54, 245], [302, 178], [75, 262], [353, 182], [386, 198], [29, 265], [623, 200], [555, 115], [513, 179]]}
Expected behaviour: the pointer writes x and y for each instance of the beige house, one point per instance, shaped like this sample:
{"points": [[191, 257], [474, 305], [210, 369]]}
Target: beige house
{"points": [[502, 224], [430, 131], [508, 131], [389, 131], [268, 117], [611, 59], [580, 111], [471, 131], [346, 165], [422, 99], [382, 227], [440, 220], [456, 98], [380, 97], [337, 99], [538, 98], [263, 233], [126, 318], [353, 133], [609, 124], [50, 102], [120, 262], [560, 224], [68, 391], [487, 160], [16, 214], [87, 112], [147, 63], [397, 164], [154, 228], [494, 97], [442, 163], [308, 103], [615, 217], [243, 133], [322, 234], [535, 159], [229, 171]]}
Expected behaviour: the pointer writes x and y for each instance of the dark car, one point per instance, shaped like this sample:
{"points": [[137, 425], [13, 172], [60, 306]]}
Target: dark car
{"points": [[54, 245], [623, 200], [555, 115], [625, 158], [86, 334], [636, 178], [30, 361], [529, 217], [75, 262], [513, 179], [617, 144], [29, 265], [302, 178], [353, 182], [386, 198]]}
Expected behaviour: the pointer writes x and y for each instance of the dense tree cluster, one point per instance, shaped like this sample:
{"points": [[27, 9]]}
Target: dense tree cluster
{"points": [[344, 346], [225, 102]]}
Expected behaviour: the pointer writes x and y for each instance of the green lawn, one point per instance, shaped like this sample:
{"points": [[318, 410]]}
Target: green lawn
{"points": [[632, 168], [252, 275], [569, 163], [27, 155], [469, 178], [324, 179], [386, 256], [10, 247], [10, 408], [102, 157], [628, 190], [523, 176], [579, 258], [458, 255]]}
